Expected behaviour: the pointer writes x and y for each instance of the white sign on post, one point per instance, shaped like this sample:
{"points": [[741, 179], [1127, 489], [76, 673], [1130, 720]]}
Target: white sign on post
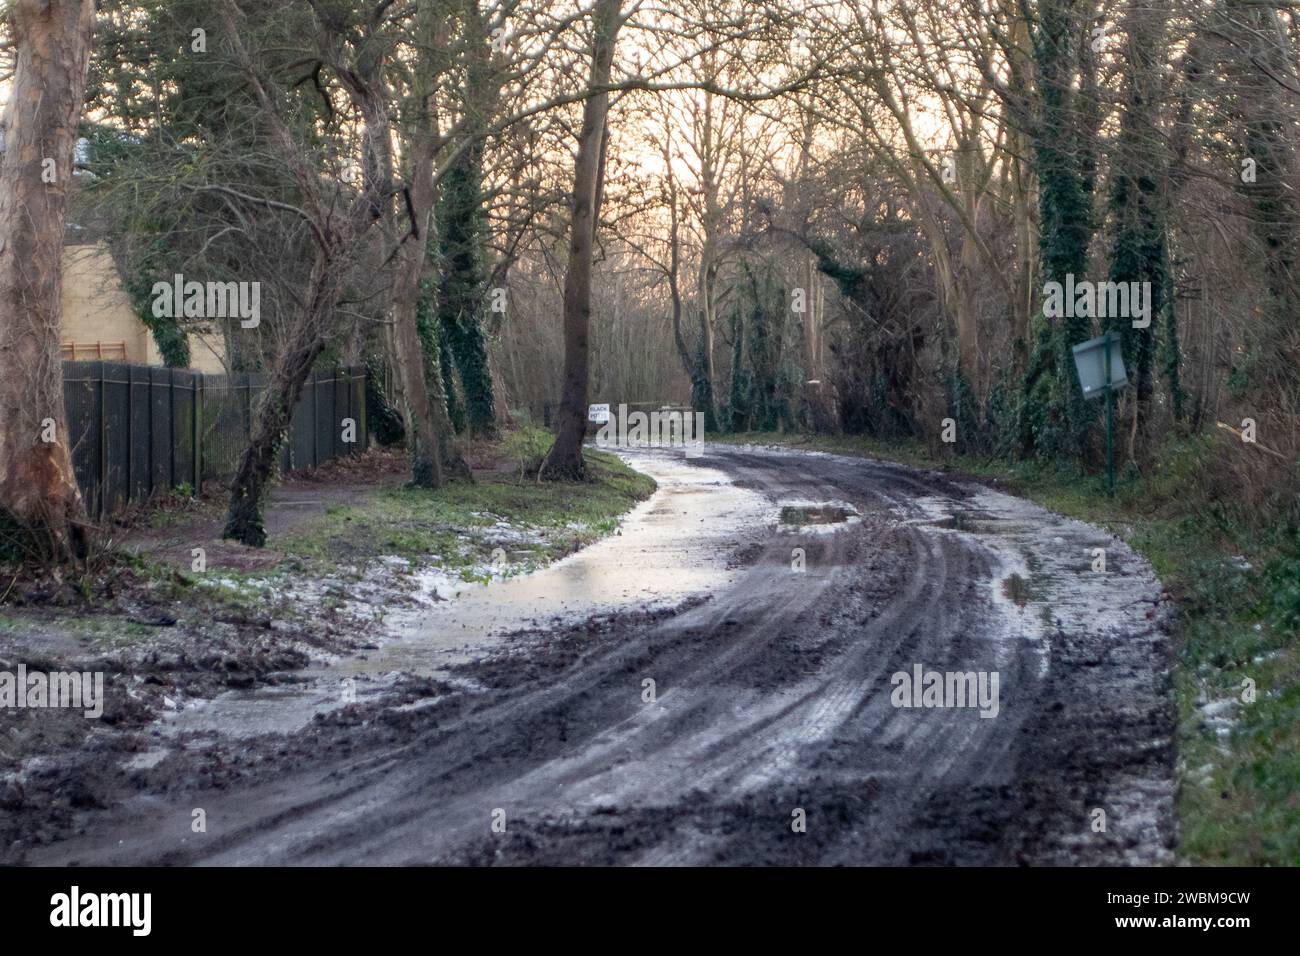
{"points": [[598, 413], [1090, 362]]}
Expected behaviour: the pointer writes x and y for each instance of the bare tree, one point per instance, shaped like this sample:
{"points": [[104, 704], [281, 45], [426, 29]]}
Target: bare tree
{"points": [[564, 460], [337, 239]]}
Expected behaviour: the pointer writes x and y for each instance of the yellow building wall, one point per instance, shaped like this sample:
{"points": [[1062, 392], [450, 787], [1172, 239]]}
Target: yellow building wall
{"points": [[99, 320], [208, 352], [97, 311]]}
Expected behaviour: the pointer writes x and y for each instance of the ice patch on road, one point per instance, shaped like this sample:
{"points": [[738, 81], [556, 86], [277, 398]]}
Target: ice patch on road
{"points": [[1020, 620], [675, 545], [1109, 618]]}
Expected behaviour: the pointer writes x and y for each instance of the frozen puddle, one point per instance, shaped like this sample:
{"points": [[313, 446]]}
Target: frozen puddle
{"points": [[805, 517], [673, 546]]}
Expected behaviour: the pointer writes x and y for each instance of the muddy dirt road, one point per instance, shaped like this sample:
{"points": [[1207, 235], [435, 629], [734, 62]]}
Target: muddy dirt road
{"points": [[773, 735]]}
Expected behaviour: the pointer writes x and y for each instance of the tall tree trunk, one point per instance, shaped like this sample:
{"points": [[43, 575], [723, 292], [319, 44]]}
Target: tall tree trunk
{"points": [[408, 359], [433, 442], [564, 460], [1056, 416], [673, 270], [1023, 183], [293, 363], [675, 264], [38, 490], [463, 286], [433, 446], [1137, 198]]}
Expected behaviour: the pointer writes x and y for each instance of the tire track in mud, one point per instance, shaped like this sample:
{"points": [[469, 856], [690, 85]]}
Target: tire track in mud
{"points": [[772, 694]]}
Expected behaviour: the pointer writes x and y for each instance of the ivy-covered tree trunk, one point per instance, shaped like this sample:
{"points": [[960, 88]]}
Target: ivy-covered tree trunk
{"points": [[1055, 414], [430, 435], [1137, 201], [702, 388], [462, 290], [438, 359], [140, 271], [447, 365], [768, 400], [1171, 351], [738, 409], [434, 449]]}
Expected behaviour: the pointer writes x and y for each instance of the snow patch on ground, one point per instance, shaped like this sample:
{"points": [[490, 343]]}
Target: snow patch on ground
{"points": [[1101, 617]]}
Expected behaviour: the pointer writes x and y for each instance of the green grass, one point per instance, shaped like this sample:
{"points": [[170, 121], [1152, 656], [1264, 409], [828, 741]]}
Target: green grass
{"points": [[453, 526], [96, 633], [1238, 595]]}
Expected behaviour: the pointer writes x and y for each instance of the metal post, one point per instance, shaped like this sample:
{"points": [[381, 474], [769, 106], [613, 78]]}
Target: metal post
{"points": [[315, 419], [102, 464], [171, 418], [1110, 425], [196, 420], [130, 443]]}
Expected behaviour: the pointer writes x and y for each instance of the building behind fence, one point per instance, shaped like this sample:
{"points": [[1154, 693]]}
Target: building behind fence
{"points": [[137, 430]]}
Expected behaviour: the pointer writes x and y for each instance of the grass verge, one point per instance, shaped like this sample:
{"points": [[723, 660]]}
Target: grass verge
{"points": [[461, 526], [354, 553], [1238, 663]]}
